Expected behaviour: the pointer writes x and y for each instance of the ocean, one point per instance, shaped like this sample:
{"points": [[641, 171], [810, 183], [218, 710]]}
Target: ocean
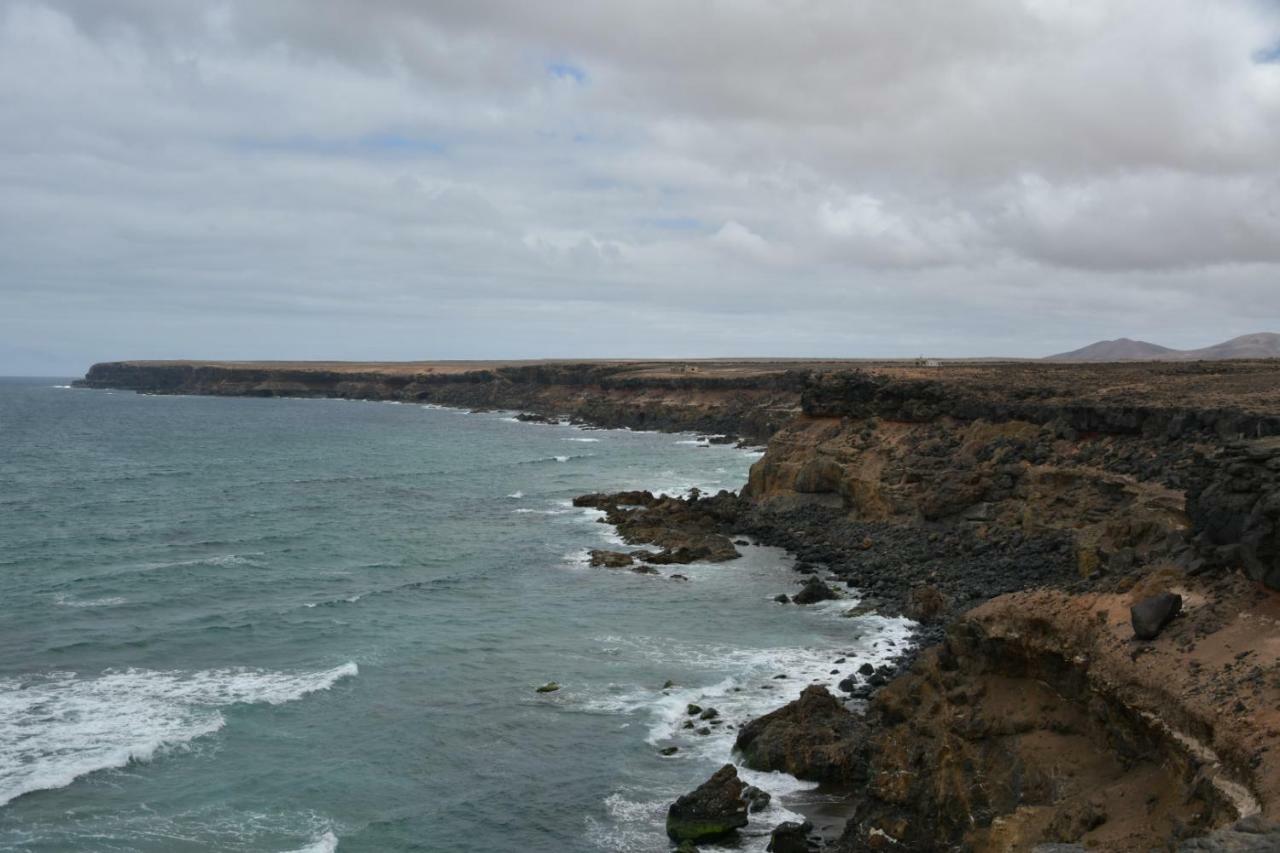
{"points": [[313, 625]]}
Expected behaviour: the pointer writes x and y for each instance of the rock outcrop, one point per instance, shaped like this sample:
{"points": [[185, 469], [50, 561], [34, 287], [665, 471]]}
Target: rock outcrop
{"points": [[1034, 723], [715, 810], [813, 738]]}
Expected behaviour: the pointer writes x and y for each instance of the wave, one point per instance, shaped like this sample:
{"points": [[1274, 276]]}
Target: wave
{"points": [[583, 440], [108, 601], [57, 727], [516, 495], [566, 458], [327, 843]]}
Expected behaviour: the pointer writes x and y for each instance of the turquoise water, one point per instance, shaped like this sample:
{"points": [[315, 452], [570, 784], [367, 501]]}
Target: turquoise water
{"points": [[281, 625]]}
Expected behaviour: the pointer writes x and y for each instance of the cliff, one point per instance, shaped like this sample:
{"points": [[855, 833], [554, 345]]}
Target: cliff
{"points": [[1017, 511], [743, 400]]}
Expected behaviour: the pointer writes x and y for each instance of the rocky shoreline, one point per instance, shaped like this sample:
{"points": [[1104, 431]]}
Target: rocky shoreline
{"points": [[1026, 516]]}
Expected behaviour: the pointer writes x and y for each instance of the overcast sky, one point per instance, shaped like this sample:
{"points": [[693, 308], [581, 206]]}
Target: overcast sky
{"points": [[392, 179]]}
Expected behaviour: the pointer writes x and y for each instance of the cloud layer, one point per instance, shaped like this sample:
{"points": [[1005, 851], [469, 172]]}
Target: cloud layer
{"points": [[390, 179]]}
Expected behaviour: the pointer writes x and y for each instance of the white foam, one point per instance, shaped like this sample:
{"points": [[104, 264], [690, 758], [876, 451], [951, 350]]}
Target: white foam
{"points": [[516, 495], [326, 843], [585, 440], [62, 387], [562, 458], [63, 600], [57, 727]]}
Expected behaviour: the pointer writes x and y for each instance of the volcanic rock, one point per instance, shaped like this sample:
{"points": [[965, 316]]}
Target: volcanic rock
{"points": [[1150, 615], [814, 590], [790, 837], [714, 810], [610, 559], [813, 738]]}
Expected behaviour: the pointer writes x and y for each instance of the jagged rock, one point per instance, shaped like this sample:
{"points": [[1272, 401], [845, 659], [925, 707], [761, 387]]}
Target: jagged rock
{"points": [[668, 750], [709, 714], [757, 800], [813, 738], [610, 559], [790, 837], [782, 598], [549, 687], [642, 569], [693, 710], [714, 810], [814, 590], [1150, 615]]}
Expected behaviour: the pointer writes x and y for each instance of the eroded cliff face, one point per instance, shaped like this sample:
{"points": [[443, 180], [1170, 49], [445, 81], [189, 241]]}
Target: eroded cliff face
{"points": [[1040, 720], [743, 402], [1130, 485]]}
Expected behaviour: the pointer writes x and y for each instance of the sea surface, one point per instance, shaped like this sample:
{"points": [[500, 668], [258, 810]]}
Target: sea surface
{"points": [[286, 625]]}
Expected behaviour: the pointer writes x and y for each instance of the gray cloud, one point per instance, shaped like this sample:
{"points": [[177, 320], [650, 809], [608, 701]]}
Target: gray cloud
{"points": [[391, 179]]}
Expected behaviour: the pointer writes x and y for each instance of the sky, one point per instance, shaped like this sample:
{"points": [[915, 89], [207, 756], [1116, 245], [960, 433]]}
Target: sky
{"points": [[390, 179]]}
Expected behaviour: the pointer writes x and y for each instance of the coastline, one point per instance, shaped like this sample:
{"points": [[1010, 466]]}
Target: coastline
{"points": [[944, 495]]}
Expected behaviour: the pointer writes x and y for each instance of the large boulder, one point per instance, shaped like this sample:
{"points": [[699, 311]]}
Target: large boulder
{"points": [[813, 591], [815, 737], [610, 559], [1150, 615], [790, 837], [714, 810]]}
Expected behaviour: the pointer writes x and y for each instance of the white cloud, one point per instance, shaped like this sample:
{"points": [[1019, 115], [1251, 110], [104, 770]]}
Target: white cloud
{"points": [[860, 177]]}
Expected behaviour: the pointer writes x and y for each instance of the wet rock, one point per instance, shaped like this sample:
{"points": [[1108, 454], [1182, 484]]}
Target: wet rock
{"points": [[642, 569], [669, 750], [813, 738], [814, 590], [549, 687], [709, 714], [693, 710], [714, 810], [610, 559], [790, 837], [757, 800], [1151, 615], [782, 598]]}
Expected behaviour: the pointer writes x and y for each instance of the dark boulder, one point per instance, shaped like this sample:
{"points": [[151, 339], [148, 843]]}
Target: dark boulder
{"points": [[815, 737], [757, 800], [610, 559], [714, 810], [790, 837], [1150, 615], [814, 590]]}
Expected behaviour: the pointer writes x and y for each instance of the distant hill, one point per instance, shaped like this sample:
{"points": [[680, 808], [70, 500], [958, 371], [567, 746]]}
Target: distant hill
{"points": [[1121, 349], [1260, 345]]}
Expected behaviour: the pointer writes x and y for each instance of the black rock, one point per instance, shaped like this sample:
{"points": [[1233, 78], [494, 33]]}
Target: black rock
{"points": [[790, 837], [669, 750], [866, 669], [814, 591], [757, 800], [714, 810], [782, 598], [1150, 615], [693, 710]]}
